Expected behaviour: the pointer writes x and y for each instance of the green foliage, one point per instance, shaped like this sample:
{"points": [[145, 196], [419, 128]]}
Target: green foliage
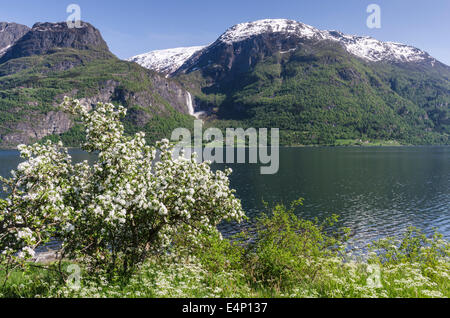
{"points": [[427, 87], [412, 247], [286, 249], [413, 264], [213, 252], [30, 281], [160, 126]]}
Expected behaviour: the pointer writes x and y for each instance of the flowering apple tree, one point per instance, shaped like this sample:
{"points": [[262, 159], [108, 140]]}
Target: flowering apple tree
{"points": [[112, 214]]}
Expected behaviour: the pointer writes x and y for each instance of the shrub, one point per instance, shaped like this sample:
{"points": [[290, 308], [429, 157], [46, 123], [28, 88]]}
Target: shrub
{"points": [[414, 263], [115, 213], [288, 251], [411, 247]]}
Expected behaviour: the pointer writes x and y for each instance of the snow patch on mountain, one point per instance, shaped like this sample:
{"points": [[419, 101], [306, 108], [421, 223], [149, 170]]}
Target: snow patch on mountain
{"points": [[165, 61], [371, 49], [3, 50]]}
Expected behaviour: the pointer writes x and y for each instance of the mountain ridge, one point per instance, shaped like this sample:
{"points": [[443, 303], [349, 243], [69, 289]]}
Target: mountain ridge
{"points": [[165, 61], [364, 47], [283, 75]]}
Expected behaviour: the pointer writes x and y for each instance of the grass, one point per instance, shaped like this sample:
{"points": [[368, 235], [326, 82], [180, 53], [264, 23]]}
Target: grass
{"points": [[166, 277]]}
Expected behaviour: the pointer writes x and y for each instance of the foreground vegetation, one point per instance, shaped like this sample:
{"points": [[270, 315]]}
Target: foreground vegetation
{"points": [[132, 225], [288, 257]]}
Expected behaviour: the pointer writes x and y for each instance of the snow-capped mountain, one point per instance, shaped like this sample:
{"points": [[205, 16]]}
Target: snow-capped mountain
{"points": [[367, 48], [364, 47], [165, 61], [243, 31]]}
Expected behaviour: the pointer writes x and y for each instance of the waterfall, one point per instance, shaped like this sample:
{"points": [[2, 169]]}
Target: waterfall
{"points": [[190, 106]]}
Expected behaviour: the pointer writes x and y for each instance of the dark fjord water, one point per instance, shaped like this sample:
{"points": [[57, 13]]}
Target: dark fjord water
{"points": [[377, 191]]}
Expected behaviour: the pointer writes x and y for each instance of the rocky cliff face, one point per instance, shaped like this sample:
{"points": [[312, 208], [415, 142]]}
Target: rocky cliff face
{"points": [[160, 99], [36, 127], [45, 37], [173, 92], [9, 34]]}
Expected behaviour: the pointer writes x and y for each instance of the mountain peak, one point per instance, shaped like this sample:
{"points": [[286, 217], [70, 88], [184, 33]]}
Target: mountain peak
{"points": [[242, 31], [364, 47], [45, 36]]}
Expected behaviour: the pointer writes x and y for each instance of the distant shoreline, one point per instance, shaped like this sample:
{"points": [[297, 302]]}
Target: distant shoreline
{"points": [[296, 146]]}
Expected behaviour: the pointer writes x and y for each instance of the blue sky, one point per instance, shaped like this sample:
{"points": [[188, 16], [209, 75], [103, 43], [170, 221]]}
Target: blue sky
{"points": [[132, 27]]}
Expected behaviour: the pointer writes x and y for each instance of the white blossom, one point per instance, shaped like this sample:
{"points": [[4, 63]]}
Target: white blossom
{"points": [[128, 197]]}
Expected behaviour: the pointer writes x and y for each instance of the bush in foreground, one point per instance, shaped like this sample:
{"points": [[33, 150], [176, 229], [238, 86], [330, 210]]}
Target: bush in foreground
{"points": [[112, 215]]}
